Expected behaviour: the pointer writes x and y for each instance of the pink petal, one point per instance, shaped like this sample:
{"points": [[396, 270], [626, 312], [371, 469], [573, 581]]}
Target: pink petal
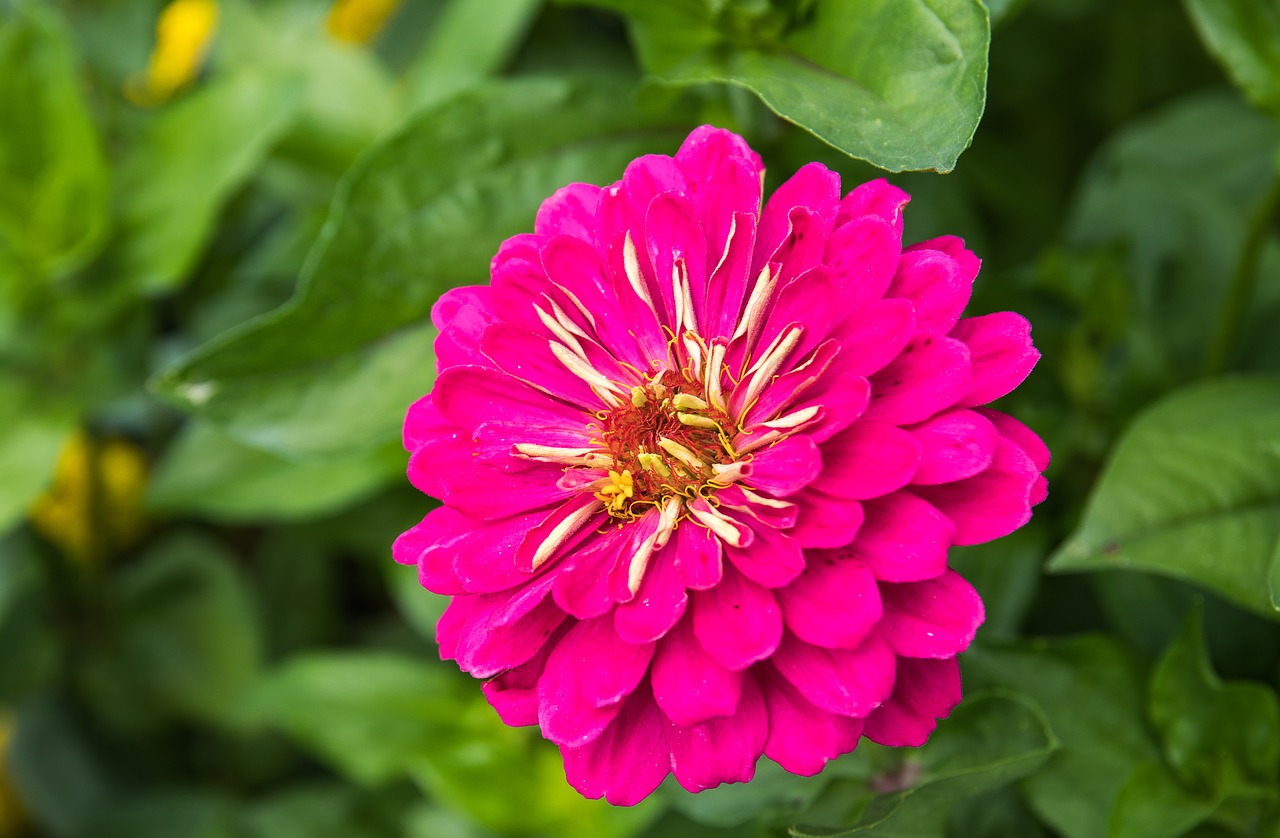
{"points": [[459, 343], [956, 444], [587, 677], [423, 423], [426, 545], [990, 504], [785, 468], [772, 559], [876, 197], [930, 375], [803, 247], [936, 618], [721, 750], [673, 235], [825, 520], [571, 211], [626, 762], [803, 738], [657, 605], [1020, 435], [784, 390], [528, 357], [833, 604], [814, 187], [469, 396], [927, 690], [863, 256], [1000, 345], [737, 622], [904, 538], [851, 682], [762, 512], [875, 334], [451, 302], [688, 684], [501, 631], [842, 399], [469, 486], [937, 286], [581, 585], [727, 287], [480, 556], [954, 247], [559, 526], [514, 692], [699, 557], [866, 460]]}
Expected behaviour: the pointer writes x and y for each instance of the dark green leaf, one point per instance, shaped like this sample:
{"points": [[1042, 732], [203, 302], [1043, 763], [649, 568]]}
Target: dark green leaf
{"points": [[31, 435], [1089, 691], [988, 742], [334, 369], [1244, 35], [1153, 804], [167, 814], [1192, 490]]}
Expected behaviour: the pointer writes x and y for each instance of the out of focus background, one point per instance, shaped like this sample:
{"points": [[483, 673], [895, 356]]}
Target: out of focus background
{"points": [[223, 223]]}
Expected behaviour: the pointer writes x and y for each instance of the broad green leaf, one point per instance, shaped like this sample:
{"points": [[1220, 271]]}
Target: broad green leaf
{"points": [[53, 181], [1089, 690], [1244, 35], [470, 41], [334, 369], [1153, 804], [1218, 738], [31, 435], [898, 83], [208, 473], [1192, 490], [187, 645], [772, 796], [988, 742], [179, 174]]}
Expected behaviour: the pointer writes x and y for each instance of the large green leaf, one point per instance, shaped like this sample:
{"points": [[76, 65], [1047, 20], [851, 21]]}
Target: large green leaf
{"points": [[1244, 35], [1192, 490], [334, 369], [1090, 692], [53, 181], [988, 742], [898, 83]]}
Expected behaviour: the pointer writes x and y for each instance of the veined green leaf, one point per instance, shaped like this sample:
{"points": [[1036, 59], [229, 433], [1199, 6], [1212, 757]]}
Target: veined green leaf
{"points": [[1244, 35]]}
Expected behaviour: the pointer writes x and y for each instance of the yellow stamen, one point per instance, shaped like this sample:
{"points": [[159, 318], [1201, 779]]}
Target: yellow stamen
{"points": [[621, 489]]}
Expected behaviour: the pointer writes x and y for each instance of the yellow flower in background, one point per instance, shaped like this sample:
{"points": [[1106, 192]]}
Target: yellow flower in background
{"points": [[12, 816], [95, 501], [184, 33], [359, 21]]}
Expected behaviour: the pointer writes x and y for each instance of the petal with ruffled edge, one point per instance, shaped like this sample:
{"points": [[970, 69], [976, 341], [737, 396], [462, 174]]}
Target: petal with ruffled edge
{"points": [[688, 684], [927, 690], [1000, 346], [627, 761], [721, 750], [990, 504], [851, 682], [903, 538], [803, 737], [936, 618], [737, 622], [835, 603]]}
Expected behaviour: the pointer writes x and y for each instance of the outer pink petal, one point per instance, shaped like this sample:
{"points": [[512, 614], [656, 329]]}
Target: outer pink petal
{"points": [[571, 211], [802, 737], [469, 396], [1020, 435], [936, 618], [990, 504], [930, 375], [937, 285], [459, 343], [825, 520], [927, 690], [863, 257], [956, 444], [772, 559], [1000, 345], [674, 238], [688, 684], [657, 605], [737, 622], [581, 585], [478, 556], [851, 682], [527, 357], [834, 604], [587, 677], [814, 187], [499, 631], [470, 486], [874, 335], [514, 693], [721, 750], [904, 538], [866, 460], [423, 423], [626, 762], [875, 197], [954, 247]]}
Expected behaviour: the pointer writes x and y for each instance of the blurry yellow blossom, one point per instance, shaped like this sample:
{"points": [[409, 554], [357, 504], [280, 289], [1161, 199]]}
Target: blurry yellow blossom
{"points": [[96, 497], [12, 817], [359, 21], [184, 32]]}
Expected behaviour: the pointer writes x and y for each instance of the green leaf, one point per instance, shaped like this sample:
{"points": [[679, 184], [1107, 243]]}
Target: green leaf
{"points": [[53, 180], [208, 473], [1089, 691], [1218, 738], [166, 814], [31, 435], [334, 369], [1244, 35], [773, 796], [988, 742], [179, 174], [187, 645], [898, 83], [1192, 490], [1153, 804]]}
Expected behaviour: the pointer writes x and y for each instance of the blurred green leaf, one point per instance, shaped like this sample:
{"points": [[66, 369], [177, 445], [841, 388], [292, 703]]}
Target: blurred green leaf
{"points": [[470, 41], [329, 810], [989, 741], [31, 435], [1217, 737], [1153, 804], [898, 83], [53, 180], [1244, 35], [1089, 691], [1192, 490], [187, 642], [180, 173], [772, 796], [208, 473], [166, 814], [334, 369]]}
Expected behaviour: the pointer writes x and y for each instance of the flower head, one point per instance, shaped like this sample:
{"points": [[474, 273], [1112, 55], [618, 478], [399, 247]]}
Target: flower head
{"points": [[701, 463]]}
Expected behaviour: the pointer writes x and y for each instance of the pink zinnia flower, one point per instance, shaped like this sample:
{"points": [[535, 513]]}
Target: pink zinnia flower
{"points": [[701, 463]]}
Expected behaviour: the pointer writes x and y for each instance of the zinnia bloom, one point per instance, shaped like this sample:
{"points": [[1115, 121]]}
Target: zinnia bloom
{"points": [[701, 463]]}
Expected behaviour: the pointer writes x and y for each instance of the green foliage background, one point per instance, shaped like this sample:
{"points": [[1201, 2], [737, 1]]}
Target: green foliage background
{"points": [[237, 281]]}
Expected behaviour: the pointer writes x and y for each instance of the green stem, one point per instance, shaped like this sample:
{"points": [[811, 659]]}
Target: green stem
{"points": [[1243, 282]]}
